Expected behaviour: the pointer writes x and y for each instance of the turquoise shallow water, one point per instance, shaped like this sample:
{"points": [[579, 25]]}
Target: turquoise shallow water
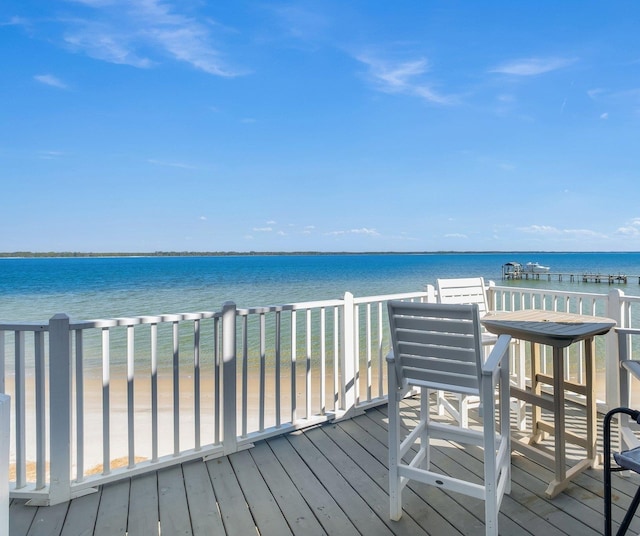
{"points": [[35, 289]]}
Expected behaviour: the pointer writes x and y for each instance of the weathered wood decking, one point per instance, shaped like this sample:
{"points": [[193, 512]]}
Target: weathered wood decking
{"points": [[330, 479]]}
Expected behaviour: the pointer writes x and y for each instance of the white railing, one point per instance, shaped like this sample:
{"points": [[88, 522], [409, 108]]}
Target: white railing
{"points": [[99, 400]]}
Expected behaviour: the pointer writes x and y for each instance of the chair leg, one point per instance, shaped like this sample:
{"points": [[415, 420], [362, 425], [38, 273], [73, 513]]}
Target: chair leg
{"points": [[440, 403], [425, 402], [491, 519], [463, 406], [491, 472], [395, 492], [504, 401]]}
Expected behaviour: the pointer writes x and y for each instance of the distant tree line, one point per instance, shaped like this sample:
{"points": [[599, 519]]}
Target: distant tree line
{"points": [[28, 254]]}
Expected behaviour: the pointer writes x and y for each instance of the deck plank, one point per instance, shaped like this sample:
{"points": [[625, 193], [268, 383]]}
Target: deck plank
{"points": [[346, 460], [267, 515], [48, 520], [20, 517], [294, 508], [82, 514], [113, 509], [203, 507], [172, 502], [234, 511], [338, 484], [323, 505], [143, 508]]}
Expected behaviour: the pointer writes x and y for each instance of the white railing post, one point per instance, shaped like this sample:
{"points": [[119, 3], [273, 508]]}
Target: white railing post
{"points": [[491, 296], [5, 428], [229, 369], [60, 409], [347, 357], [612, 387], [431, 293]]}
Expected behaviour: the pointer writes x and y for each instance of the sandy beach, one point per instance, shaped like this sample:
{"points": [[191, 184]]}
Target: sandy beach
{"points": [[118, 414], [94, 438]]}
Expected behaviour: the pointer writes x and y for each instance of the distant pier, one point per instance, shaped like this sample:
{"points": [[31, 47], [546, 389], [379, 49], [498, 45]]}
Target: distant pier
{"points": [[590, 277]]}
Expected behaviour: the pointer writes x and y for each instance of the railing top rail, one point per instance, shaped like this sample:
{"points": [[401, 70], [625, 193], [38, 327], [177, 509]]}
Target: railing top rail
{"points": [[137, 320], [289, 307], [628, 298], [385, 297], [628, 331], [550, 291], [110, 322], [23, 326]]}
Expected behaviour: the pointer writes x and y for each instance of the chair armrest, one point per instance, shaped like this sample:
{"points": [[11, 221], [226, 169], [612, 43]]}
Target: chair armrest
{"points": [[390, 357], [632, 366], [500, 350]]}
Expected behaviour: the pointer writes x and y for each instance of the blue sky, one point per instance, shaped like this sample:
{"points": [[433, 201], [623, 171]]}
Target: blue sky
{"points": [[145, 125]]}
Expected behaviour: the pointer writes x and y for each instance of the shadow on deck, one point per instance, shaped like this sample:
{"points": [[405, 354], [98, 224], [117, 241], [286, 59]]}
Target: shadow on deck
{"points": [[331, 479]]}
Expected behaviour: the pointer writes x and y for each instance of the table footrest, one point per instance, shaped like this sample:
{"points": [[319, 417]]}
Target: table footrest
{"points": [[570, 437], [532, 398]]}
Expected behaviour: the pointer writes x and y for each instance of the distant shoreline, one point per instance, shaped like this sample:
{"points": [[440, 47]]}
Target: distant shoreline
{"points": [[74, 254]]}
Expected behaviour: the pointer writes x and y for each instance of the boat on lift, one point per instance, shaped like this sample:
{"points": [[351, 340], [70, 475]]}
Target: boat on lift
{"points": [[535, 268]]}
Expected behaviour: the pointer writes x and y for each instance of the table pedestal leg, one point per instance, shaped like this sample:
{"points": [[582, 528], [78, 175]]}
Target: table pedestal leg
{"points": [[537, 434], [562, 475], [590, 381], [560, 481]]}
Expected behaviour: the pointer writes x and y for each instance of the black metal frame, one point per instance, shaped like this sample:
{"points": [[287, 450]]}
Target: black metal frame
{"points": [[634, 414]]}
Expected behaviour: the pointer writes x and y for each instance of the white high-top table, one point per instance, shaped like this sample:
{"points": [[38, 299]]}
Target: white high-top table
{"points": [[558, 330]]}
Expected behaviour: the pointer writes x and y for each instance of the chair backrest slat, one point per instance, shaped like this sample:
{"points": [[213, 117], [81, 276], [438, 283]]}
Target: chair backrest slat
{"points": [[465, 384], [437, 345], [440, 365], [463, 291]]}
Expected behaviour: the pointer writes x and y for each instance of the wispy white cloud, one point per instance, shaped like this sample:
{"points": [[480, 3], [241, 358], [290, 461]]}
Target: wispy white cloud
{"points": [[140, 32], [538, 229], [455, 235], [169, 164], [50, 80], [50, 155], [548, 230], [262, 229], [15, 21], [405, 78], [532, 66], [595, 93], [105, 43], [363, 230], [631, 229]]}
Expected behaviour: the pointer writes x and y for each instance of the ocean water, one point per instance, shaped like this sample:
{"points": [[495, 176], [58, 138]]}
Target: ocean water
{"points": [[34, 289]]}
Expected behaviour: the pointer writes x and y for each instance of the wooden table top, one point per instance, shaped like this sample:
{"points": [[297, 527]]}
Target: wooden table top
{"points": [[546, 327]]}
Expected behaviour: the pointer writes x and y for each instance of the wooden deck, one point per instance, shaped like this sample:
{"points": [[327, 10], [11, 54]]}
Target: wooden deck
{"points": [[330, 479]]}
